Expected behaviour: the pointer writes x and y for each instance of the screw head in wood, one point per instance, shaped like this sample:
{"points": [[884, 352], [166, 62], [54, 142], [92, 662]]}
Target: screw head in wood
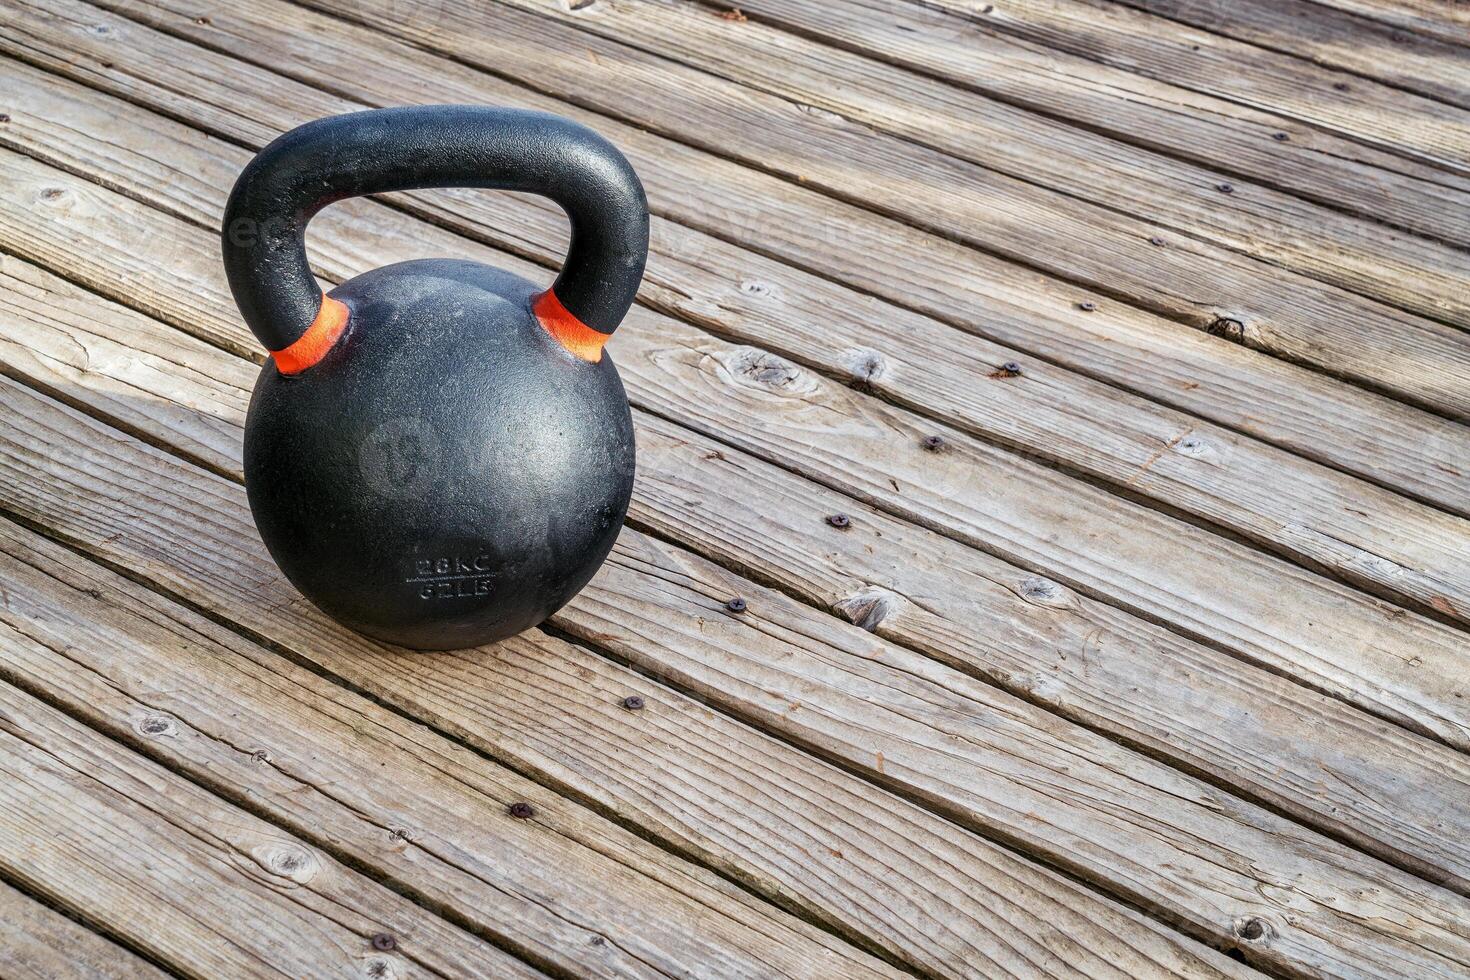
{"points": [[521, 811], [633, 702], [1087, 306], [736, 605], [933, 443], [1225, 188], [839, 521], [384, 942]]}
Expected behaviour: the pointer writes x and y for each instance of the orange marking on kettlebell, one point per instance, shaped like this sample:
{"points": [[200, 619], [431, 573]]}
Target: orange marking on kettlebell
{"points": [[313, 345], [567, 330]]}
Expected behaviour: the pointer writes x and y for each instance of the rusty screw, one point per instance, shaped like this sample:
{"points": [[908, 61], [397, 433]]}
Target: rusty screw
{"points": [[839, 521], [384, 942], [736, 605], [1087, 306], [633, 702], [933, 443], [521, 811]]}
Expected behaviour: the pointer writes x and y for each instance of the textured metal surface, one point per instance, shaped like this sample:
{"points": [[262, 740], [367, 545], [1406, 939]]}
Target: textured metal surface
{"points": [[448, 475]]}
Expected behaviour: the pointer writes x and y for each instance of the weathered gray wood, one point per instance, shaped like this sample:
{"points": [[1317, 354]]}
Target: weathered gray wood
{"points": [[1134, 40], [39, 943], [1267, 148], [52, 332], [1393, 794], [1056, 416], [1399, 665], [1165, 193], [1102, 250], [1314, 416], [1447, 20], [993, 762], [195, 882], [779, 821], [1334, 39]]}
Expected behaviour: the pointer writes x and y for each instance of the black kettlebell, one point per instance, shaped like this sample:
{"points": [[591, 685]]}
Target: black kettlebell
{"points": [[438, 453]]}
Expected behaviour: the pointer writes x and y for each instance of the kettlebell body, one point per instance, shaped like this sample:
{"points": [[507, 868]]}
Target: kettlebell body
{"points": [[439, 454]]}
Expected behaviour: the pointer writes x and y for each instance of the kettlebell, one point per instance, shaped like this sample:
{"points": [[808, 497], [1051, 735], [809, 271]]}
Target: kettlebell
{"points": [[438, 453]]}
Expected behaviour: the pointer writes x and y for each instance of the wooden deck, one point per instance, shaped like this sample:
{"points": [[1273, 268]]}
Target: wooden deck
{"points": [[1145, 655]]}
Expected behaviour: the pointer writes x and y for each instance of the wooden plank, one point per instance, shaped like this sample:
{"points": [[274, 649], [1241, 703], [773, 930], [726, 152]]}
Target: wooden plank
{"points": [[780, 820], [237, 564], [1135, 40], [1335, 39], [1162, 192], [1147, 465], [1315, 417], [1229, 870], [1448, 21], [1396, 664], [1191, 280], [1104, 433], [1391, 793], [200, 885], [42, 944], [1239, 140]]}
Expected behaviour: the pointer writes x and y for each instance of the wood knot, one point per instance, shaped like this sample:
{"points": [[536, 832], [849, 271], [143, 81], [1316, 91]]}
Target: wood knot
{"points": [[52, 194], [378, 968], [286, 859], [1230, 329], [1253, 929], [870, 608], [764, 368], [865, 367], [156, 726], [1041, 591], [1192, 446]]}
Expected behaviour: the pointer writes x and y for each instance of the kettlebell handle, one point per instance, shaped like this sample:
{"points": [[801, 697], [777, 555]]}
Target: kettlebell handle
{"points": [[383, 150]]}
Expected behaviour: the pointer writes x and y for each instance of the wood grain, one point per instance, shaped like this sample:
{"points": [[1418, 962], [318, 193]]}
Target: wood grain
{"points": [[1366, 110], [1313, 416], [1169, 843], [1444, 19], [42, 944], [1166, 194], [1305, 511], [1191, 280], [1354, 530], [1238, 140], [779, 820], [1392, 794], [1333, 38], [1399, 665], [196, 883]]}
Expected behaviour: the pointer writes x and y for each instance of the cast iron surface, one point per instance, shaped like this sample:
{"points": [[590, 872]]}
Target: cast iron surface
{"points": [[448, 474], [440, 501], [384, 150]]}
